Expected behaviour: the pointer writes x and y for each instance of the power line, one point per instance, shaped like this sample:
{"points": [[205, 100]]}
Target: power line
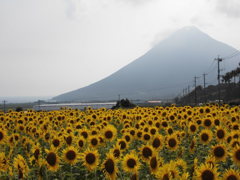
{"points": [[236, 53]]}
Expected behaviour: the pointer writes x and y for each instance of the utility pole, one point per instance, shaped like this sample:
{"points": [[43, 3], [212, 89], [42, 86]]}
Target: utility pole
{"points": [[119, 97], [188, 89], [195, 90], [4, 106], [218, 77], [204, 86]]}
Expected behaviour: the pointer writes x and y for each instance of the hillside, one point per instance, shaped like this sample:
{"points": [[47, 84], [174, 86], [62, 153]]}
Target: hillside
{"points": [[160, 73], [229, 93]]}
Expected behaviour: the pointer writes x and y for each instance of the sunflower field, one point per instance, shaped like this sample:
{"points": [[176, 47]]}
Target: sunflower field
{"points": [[140, 143]]}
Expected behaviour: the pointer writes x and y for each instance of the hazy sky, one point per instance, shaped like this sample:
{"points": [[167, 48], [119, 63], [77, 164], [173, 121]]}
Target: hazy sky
{"points": [[48, 47]]}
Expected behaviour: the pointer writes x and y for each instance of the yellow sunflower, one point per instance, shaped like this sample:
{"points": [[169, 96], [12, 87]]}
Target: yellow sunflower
{"points": [[90, 159], [116, 151], [154, 163], [157, 142], [236, 155], [210, 160], [52, 159], [93, 141], [192, 128], [205, 136], [131, 163], [56, 142], [36, 151], [146, 152], [3, 136], [109, 166], [81, 142], [219, 152], [146, 137], [231, 174], [168, 171], [122, 144], [221, 133], [207, 172], [3, 162], [109, 132], [21, 166], [207, 122], [70, 155], [172, 142]]}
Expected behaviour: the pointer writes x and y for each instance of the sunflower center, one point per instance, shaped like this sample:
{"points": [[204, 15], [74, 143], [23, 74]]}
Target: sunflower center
{"points": [[219, 152], [90, 158], [235, 127], [108, 134], [127, 138], [116, 153], [207, 122], [153, 131], [146, 136], [71, 155], [204, 137], [164, 124], [237, 155], [156, 143], [232, 177], [94, 142], [1, 136], [80, 143], [51, 158], [56, 142], [193, 128], [147, 152], [122, 144], [207, 175], [153, 162], [139, 134], [131, 163], [69, 140], [216, 122], [85, 134], [170, 131], [172, 142], [220, 134], [132, 132], [109, 166]]}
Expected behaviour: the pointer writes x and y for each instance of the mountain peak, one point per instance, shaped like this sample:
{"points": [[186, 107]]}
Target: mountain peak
{"points": [[160, 73], [190, 32]]}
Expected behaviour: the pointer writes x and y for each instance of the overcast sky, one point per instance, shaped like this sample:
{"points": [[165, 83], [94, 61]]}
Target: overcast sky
{"points": [[49, 47]]}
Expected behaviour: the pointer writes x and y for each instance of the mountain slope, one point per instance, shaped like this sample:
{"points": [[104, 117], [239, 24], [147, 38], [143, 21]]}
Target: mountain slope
{"points": [[160, 73]]}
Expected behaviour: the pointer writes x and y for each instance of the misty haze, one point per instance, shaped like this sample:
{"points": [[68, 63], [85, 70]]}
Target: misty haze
{"points": [[120, 89]]}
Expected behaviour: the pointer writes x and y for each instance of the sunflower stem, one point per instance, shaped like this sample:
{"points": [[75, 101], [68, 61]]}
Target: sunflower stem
{"points": [[71, 172]]}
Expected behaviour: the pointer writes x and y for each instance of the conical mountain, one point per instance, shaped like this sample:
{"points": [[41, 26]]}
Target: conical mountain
{"points": [[160, 73]]}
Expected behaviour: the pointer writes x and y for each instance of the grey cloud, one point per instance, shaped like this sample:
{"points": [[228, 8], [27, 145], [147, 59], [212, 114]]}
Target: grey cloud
{"points": [[197, 20], [229, 7], [137, 2]]}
